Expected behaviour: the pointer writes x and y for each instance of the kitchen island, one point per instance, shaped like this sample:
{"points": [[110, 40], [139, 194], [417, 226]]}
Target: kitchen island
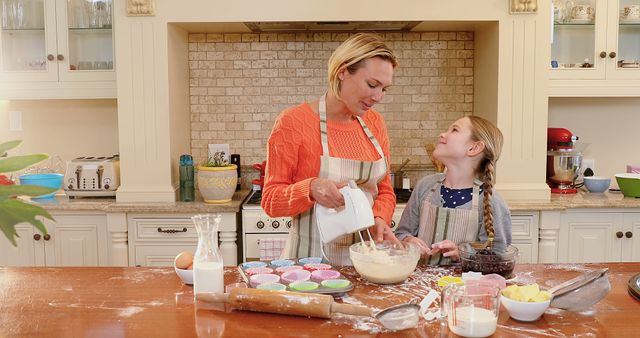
{"points": [[152, 302]]}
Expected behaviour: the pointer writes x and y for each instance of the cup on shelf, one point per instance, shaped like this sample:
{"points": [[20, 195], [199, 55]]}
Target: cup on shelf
{"points": [[100, 65], [85, 65]]}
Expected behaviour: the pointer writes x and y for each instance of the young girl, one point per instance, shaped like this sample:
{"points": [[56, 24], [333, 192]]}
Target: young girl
{"points": [[460, 205]]}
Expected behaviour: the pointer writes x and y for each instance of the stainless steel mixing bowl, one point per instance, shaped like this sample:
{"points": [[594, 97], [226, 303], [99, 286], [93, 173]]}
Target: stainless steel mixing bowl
{"points": [[563, 166]]}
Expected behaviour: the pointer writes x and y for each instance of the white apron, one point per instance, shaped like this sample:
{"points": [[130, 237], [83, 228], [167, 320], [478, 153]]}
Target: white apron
{"points": [[438, 223], [304, 237]]}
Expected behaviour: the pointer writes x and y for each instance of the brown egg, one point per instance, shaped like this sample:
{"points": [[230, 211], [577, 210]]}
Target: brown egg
{"points": [[183, 260]]}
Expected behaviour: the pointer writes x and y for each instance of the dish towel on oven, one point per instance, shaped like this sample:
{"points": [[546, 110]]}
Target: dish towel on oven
{"points": [[271, 248]]}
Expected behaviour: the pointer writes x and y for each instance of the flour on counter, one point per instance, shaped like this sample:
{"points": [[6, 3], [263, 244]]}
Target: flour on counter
{"points": [[129, 311]]}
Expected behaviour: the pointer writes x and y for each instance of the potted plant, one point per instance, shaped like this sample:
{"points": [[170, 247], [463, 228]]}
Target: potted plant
{"points": [[13, 210], [217, 179]]}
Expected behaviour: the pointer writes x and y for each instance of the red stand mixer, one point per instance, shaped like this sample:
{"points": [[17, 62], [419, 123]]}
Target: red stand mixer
{"points": [[563, 161]]}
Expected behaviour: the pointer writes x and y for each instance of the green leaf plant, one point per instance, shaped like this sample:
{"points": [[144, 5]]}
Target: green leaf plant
{"points": [[12, 209]]}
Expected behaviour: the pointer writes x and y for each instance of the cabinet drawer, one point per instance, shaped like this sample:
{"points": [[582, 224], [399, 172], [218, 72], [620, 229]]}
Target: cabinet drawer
{"points": [[160, 255], [164, 229], [524, 226]]}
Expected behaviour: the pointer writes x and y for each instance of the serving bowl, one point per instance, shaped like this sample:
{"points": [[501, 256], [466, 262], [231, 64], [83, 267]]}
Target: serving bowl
{"points": [[597, 184], [501, 259], [524, 311], [629, 184], [185, 275], [388, 263], [48, 180]]}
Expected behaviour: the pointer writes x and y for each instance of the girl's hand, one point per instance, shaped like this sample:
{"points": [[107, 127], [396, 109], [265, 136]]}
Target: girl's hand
{"points": [[326, 192], [382, 231], [424, 248], [448, 249]]}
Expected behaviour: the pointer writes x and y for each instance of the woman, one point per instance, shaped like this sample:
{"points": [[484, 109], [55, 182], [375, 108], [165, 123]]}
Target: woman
{"points": [[447, 209], [315, 148]]}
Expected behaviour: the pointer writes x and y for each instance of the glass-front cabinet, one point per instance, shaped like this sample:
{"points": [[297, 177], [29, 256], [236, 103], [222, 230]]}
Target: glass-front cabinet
{"points": [[595, 40], [64, 47]]}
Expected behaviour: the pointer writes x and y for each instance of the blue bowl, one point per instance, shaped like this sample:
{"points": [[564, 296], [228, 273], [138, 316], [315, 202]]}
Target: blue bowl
{"points": [[43, 180], [596, 184]]}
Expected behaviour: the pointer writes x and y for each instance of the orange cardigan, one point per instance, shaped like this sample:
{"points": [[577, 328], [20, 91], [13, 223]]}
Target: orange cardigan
{"points": [[293, 159]]}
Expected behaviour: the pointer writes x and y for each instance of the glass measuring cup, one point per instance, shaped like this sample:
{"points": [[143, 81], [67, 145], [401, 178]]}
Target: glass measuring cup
{"points": [[471, 311]]}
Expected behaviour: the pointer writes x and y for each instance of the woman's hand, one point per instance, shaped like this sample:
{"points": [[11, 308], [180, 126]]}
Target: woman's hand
{"points": [[424, 248], [326, 192], [448, 249], [382, 231]]}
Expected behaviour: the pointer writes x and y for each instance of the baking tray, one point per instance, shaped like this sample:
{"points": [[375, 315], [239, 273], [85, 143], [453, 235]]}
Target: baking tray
{"points": [[336, 292]]}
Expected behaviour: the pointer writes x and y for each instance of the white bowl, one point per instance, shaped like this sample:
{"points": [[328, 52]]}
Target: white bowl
{"points": [[524, 311], [185, 275], [597, 184], [390, 263]]}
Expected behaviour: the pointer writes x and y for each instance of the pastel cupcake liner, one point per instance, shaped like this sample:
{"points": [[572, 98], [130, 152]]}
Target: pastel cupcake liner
{"points": [[320, 275], [304, 286], [310, 260], [263, 278], [284, 269], [296, 276], [253, 264], [272, 286], [256, 271], [282, 262], [317, 266], [335, 283]]}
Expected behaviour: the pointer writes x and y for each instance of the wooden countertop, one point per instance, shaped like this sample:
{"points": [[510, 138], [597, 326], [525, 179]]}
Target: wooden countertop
{"points": [[152, 302]]}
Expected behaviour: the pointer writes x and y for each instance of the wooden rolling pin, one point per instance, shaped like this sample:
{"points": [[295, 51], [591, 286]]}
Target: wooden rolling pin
{"points": [[284, 302]]}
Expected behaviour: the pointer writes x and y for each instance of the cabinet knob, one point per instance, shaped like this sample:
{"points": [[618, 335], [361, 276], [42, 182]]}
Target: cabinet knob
{"points": [[612, 55], [46, 237], [60, 57], [50, 57], [260, 224], [619, 234], [628, 234], [275, 224], [37, 237], [288, 224], [603, 54]]}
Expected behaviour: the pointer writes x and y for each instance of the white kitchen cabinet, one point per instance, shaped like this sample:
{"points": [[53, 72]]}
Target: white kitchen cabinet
{"points": [[56, 49], [72, 240], [524, 235], [608, 45], [156, 239], [590, 236]]}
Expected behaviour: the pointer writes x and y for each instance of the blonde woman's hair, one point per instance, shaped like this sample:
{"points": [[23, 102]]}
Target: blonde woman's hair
{"points": [[486, 132], [352, 54]]}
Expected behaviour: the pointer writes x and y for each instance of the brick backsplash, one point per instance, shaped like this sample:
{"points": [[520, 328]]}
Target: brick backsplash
{"points": [[240, 82]]}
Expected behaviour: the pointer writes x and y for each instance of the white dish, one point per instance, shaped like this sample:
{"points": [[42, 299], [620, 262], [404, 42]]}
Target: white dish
{"points": [[629, 20], [581, 21]]}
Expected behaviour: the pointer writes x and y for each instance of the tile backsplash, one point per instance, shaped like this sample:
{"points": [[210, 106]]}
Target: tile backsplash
{"points": [[240, 82]]}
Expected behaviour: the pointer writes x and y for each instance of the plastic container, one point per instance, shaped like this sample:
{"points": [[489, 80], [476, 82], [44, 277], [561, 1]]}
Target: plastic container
{"points": [[50, 180], [187, 186]]}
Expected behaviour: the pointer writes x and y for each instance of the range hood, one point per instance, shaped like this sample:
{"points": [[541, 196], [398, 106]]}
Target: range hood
{"points": [[331, 26]]}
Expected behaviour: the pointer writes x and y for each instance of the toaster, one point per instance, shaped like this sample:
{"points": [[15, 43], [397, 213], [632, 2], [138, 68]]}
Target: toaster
{"points": [[92, 176]]}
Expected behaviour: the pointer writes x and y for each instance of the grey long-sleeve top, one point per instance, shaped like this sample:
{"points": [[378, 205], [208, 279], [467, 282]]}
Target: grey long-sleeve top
{"points": [[410, 220]]}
